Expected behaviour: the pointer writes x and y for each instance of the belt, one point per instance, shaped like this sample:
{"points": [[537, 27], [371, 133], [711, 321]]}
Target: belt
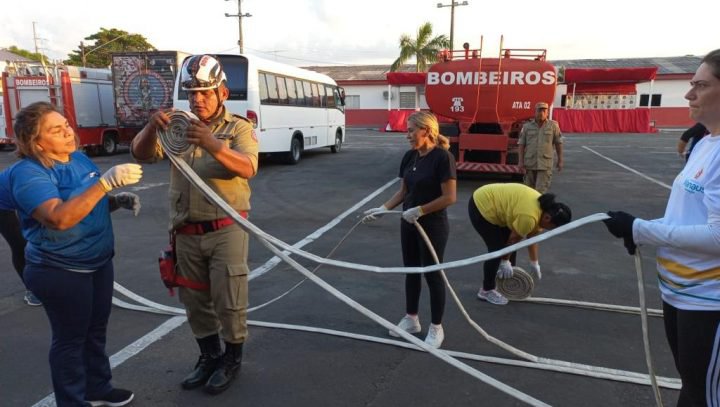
{"points": [[200, 228]]}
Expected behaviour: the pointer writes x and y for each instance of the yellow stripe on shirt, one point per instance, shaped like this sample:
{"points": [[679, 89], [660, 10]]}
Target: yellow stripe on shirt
{"points": [[689, 273]]}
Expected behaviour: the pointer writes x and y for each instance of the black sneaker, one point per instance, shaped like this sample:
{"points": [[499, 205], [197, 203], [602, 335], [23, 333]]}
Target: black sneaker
{"points": [[115, 398]]}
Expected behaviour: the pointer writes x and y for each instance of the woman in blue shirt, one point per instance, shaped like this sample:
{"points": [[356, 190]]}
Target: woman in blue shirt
{"points": [[64, 210]]}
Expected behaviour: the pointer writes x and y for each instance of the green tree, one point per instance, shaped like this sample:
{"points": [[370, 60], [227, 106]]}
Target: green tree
{"points": [[424, 48], [34, 56], [107, 41]]}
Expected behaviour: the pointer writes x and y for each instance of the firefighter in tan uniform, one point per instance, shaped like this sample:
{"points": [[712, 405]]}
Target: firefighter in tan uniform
{"points": [[211, 249], [538, 139]]}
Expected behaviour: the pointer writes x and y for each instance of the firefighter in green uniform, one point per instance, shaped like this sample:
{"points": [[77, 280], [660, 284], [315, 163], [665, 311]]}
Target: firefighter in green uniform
{"points": [[538, 139], [211, 249]]}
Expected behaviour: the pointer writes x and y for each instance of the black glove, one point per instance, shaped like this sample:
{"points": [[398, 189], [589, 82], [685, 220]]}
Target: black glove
{"points": [[620, 224], [629, 245]]}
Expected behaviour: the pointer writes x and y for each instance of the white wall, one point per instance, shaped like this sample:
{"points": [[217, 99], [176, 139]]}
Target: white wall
{"points": [[371, 96], [672, 91]]}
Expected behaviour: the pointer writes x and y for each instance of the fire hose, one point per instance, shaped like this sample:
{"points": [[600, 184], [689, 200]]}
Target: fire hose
{"points": [[174, 144]]}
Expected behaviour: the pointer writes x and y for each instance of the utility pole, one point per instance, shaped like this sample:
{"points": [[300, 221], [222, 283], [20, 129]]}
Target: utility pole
{"points": [[239, 16], [37, 49], [82, 53], [452, 5]]}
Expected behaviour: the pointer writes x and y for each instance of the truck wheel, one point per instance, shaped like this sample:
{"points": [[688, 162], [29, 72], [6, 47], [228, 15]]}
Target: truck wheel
{"points": [[293, 156], [338, 143], [109, 144]]}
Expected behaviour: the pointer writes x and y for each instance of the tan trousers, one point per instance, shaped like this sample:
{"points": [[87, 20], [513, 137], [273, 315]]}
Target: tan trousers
{"points": [[538, 179], [219, 259]]}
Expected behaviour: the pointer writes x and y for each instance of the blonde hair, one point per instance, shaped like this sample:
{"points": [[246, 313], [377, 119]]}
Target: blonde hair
{"points": [[27, 131], [427, 120]]}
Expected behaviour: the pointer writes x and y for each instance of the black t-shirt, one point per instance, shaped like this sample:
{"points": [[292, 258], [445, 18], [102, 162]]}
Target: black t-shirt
{"points": [[696, 132], [424, 176]]}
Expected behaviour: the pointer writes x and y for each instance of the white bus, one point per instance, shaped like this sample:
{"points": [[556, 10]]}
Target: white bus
{"points": [[293, 109]]}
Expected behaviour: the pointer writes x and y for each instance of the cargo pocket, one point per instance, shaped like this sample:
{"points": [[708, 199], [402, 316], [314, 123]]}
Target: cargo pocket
{"points": [[237, 286]]}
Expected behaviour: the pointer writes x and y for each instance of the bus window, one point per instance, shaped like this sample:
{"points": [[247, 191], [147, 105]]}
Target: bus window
{"points": [[292, 94], [308, 93], [272, 88], [316, 95], [262, 85], [321, 92], [330, 96], [282, 91], [300, 93]]}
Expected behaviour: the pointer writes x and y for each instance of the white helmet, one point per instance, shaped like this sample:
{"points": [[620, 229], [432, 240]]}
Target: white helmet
{"points": [[201, 72]]}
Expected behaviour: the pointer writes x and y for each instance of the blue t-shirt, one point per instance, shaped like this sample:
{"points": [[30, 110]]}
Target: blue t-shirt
{"points": [[87, 245], [6, 200]]}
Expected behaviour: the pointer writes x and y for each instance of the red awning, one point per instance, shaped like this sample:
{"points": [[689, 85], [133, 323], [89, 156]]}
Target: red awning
{"points": [[406, 78], [609, 75]]}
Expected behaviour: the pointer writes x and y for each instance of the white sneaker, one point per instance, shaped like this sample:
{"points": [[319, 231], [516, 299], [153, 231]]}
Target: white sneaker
{"points": [[408, 324], [492, 296], [435, 336]]}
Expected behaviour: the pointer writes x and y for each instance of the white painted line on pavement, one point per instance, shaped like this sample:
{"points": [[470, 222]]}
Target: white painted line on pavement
{"points": [[651, 179], [316, 234], [129, 351]]}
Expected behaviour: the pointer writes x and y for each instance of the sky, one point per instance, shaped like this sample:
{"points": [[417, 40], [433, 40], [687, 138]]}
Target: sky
{"points": [[357, 32]]}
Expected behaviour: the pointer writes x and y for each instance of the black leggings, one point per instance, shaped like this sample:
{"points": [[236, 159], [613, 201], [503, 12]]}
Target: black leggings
{"points": [[694, 338], [495, 238], [10, 230], [415, 253]]}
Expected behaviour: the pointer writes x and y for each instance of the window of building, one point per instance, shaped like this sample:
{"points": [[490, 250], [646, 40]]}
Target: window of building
{"points": [[654, 101], [352, 101], [407, 100]]}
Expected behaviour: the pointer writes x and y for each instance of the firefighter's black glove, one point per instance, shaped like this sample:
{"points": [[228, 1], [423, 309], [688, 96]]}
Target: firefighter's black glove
{"points": [[620, 225]]}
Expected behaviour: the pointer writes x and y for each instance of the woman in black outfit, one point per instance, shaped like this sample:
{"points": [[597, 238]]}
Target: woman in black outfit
{"points": [[427, 188], [10, 230]]}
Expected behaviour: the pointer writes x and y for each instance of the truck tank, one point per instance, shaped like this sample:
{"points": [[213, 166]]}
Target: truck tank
{"points": [[486, 101]]}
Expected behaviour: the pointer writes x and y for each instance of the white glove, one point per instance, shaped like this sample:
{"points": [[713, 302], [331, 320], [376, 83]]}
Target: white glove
{"points": [[505, 270], [374, 213], [120, 175], [535, 268], [128, 200], [413, 214]]}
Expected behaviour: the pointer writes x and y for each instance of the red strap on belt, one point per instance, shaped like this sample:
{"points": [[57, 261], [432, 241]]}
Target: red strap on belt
{"points": [[200, 228], [195, 285]]}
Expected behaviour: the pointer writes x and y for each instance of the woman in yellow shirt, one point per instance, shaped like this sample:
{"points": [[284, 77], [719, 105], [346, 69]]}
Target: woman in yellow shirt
{"points": [[504, 214]]}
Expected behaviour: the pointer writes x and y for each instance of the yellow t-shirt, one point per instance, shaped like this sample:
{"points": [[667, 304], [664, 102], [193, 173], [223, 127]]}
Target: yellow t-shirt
{"points": [[514, 206]]}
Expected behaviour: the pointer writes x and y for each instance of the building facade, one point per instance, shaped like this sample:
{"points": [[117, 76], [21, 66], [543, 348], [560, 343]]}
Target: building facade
{"points": [[368, 97]]}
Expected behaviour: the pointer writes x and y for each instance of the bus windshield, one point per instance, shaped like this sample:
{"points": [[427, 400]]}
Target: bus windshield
{"points": [[236, 71]]}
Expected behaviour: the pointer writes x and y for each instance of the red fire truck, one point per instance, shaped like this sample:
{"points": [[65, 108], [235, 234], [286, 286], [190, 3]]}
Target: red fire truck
{"points": [[482, 103], [84, 95]]}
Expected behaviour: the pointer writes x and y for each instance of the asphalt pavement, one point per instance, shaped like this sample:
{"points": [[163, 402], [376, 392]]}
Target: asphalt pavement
{"points": [[297, 367]]}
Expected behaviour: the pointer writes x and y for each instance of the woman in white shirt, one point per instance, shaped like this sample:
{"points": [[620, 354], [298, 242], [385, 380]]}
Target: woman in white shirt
{"points": [[688, 254]]}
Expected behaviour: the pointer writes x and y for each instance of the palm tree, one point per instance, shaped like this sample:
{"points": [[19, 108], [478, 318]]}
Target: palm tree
{"points": [[424, 48]]}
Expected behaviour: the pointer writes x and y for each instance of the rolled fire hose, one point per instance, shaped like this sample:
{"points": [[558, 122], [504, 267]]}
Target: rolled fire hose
{"points": [[518, 287], [180, 120]]}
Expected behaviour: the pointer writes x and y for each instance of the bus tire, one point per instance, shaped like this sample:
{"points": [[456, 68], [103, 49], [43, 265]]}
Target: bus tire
{"points": [[2, 147], [292, 157], [338, 143], [109, 144]]}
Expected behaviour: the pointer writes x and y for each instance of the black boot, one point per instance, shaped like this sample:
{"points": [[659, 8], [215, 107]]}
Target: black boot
{"points": [[210, 356], [226, 370]]}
